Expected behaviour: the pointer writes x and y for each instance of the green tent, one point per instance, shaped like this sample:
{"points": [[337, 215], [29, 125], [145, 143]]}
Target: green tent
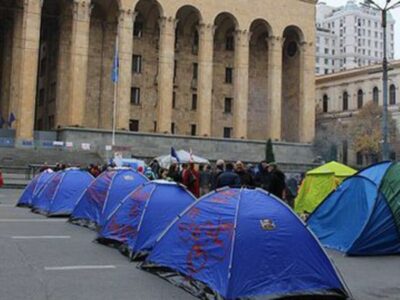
{"points": [[319, 183]]}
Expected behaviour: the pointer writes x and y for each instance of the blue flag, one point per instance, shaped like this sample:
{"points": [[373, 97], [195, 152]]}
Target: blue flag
{"points": [[175, 155], [11, 119], [115, 69]]}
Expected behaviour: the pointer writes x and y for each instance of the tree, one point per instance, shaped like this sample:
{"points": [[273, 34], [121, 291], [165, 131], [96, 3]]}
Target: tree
{"points": [[269, 152], [365, 132]]}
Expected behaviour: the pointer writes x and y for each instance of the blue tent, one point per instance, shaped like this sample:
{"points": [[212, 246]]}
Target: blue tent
{"points": [[103, 195], [239, 243], [59, 196], [34, 187], [141, 217], [362, 217]]}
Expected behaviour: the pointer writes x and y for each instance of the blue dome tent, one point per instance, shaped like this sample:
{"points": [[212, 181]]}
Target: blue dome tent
{"points": [[34, 187], [59, 196], [143, 215], [362, 217], [239, 243], [103, 195]]}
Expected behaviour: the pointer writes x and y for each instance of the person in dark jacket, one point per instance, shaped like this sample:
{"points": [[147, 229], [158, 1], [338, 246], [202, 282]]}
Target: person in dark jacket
{"points": [[277, 183], [228, 178], [263, 177], [219, 169], [174, 173], [246, 180], [205, 179]]}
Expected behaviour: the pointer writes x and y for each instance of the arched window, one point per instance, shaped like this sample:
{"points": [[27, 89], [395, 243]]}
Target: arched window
{"points": [[325, 103], [345, 101], [360, 99], [392, 95], [375, 95]]}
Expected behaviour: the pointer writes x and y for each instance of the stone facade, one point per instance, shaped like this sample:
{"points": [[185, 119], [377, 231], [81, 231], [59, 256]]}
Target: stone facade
{"points": [[339, 96], [204, 68]]}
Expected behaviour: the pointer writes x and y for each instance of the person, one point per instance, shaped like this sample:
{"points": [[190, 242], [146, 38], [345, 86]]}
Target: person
{"points": [[155, 167], [246, 180], [291, 191], [149, 173], [191, 179], [1, 179], [228, 178], [173, 173], [277, 183], [183, 170], [44, 167], [219, 169], [164, 175], [205, 179], [263, 176]]}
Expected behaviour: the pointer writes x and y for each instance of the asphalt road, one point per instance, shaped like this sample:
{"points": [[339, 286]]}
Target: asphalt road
{"points": [[49, 259]]}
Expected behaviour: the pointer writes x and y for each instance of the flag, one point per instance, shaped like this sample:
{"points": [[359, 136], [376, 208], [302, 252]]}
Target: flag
{"points": [[115, 69], [2, 122], [11, 119], [190, 155], [175, 155]]}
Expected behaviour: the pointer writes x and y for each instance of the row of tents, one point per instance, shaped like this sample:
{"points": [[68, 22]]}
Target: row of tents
{"points": [[229, 244]]}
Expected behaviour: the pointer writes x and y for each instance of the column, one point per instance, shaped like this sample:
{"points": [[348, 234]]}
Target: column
{"points": [[79, 61], [204, 87], [274, 118], [166, 59], [26, 70], [125, 41], [241, 83], [307, 93]]}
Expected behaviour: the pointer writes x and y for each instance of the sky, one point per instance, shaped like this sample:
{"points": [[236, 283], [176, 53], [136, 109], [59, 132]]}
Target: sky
{"points": [[395, 13]]}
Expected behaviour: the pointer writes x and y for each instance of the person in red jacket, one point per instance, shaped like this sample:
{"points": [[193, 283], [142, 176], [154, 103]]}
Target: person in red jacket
{"points": [[1, 179], [191, 179]]}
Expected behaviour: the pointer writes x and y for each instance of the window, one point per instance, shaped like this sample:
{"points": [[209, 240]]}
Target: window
{"points": [[173, 99], [53, 92], [227, 132], [375, 95], [195, 46], [155, 126], [43, 67], [51, 122], [193, 129], [173, 128], [230, 43], [39, 124], [175, 69], [194, 101], [345, 147], [325, 103], [392, 95], [228, 105], [345, 101], [137, 64], [359, 159], [195, 70], [360, 99], [134, 125], [41, 97], [138, 29], [229, 75], [135, 95]]}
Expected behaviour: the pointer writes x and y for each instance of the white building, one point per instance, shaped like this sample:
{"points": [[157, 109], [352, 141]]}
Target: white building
{"points": [[350, 36]]}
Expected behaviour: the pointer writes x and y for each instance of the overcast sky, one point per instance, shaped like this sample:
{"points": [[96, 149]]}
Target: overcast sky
{"points": [[395, 13]]}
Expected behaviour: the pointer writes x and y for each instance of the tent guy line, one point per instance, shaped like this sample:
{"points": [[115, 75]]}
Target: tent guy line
{"points": [[40, 237], [82, 267]]}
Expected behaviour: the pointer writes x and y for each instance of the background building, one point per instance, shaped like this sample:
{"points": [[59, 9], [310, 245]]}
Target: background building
{"points": [[208, 68], [350, 36], [341, 95]]}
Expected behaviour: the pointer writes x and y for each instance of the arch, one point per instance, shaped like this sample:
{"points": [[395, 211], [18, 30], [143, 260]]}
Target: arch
{"points": [[295, 31], [188, 17], [258, 105], [148, 14], [145, 6], [360, 98], [345, 101], [226, 24], [375, 95], [392, 94], [325, 107]]}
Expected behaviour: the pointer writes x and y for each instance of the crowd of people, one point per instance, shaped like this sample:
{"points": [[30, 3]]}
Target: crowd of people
{"points": [[201, 179]]}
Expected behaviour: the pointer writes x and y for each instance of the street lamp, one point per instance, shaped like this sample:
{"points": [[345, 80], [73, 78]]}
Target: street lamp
{"points": [[384, 10]]}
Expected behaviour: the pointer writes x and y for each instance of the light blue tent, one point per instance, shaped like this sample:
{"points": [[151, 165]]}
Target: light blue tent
{"points": [[34, 188], [143, 215], [240, 244], [59, 195], [103, 195], [362, 217]]}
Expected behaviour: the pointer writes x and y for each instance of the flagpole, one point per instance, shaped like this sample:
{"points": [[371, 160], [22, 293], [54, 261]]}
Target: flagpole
{"points": [[114, 119]]}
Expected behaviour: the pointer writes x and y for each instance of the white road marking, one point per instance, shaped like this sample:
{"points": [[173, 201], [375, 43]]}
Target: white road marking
{"points": [[40, 237], [32, 220], [71, 268]]}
